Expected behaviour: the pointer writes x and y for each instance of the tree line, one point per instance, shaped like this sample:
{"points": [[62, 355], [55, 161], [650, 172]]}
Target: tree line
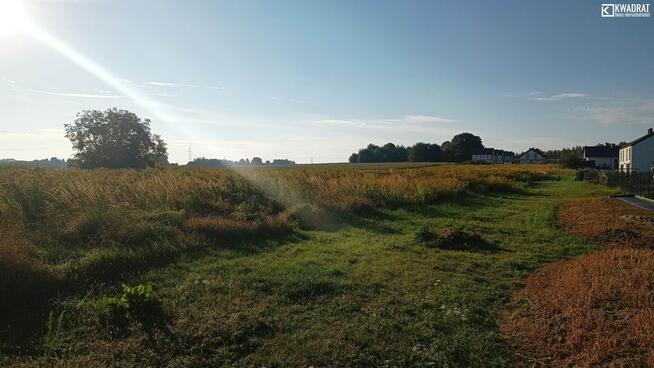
{"points": [[255, 162], [459, 149]]}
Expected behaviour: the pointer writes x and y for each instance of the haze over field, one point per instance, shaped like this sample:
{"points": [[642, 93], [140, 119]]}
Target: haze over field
{"points": [[320, 79]]}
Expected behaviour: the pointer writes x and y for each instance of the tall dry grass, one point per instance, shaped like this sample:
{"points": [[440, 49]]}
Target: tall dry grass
{"points": [[592, 311], [69, 228]]}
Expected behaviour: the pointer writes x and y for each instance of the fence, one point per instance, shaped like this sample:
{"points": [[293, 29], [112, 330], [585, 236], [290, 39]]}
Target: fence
{"points": [[639, 183]]}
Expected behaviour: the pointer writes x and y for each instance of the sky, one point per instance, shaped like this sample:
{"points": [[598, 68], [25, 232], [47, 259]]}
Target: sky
{"points": [[317, 80]]}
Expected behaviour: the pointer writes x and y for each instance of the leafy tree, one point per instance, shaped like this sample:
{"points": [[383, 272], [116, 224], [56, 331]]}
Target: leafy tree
{"points": [[392, 153], [354, 158], [114, 139], [368, 154], [462, 146], [571, 159], [256, 161], [425, 152]]}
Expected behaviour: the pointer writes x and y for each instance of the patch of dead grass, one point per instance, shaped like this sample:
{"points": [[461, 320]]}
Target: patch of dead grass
{"points": [[596, 310]]}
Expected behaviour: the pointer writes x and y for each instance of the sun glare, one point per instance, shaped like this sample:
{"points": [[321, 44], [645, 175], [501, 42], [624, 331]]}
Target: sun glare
{"points": [[13, 17]]}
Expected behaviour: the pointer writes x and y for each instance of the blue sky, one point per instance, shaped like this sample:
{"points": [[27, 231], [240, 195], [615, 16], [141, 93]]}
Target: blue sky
{"points": [[303, 79]]}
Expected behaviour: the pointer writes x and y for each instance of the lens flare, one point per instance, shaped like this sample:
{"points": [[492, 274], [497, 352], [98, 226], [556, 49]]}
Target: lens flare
{"points": [[13, 18]]}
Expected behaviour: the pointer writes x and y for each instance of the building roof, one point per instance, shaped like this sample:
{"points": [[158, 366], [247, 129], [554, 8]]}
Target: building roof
{"points": [[493, 151], [535, 150], [601, 151], [649, 134]]}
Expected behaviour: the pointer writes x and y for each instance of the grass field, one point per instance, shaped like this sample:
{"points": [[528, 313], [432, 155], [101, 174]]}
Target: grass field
{"points": [[284, 267]]}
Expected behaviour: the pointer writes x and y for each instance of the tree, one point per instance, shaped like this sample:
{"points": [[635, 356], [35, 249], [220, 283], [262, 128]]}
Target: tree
{"points": [[461, 147], [571, 159], [114, 139], [425, 152], [354, 158], [368, 154], [256, 161]]}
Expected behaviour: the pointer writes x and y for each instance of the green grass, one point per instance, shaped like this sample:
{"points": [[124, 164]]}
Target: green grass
{"points": [[366, 295]]}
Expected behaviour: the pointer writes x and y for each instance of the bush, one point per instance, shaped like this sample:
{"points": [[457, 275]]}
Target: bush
{"points": [[137, 304]]}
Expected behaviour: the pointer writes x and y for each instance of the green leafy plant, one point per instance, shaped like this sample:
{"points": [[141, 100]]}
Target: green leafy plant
{"points": [[137, 304]]}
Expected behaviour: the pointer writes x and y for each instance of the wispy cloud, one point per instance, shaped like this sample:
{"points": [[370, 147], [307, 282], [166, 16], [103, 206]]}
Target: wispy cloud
{"points": [[559, 97], [76, 95], [521, 94], [538, 96], [169, 84], [625, 112], [381, 123], [9, 81], [426, 119]]}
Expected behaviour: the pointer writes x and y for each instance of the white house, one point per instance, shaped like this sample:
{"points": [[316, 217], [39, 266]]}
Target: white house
{"points": [[605, 157], [639, 154], [492, 155], [532, 156]]}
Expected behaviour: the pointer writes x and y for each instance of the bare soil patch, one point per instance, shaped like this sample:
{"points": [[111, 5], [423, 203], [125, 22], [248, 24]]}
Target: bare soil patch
{"points": [[596, 310]]}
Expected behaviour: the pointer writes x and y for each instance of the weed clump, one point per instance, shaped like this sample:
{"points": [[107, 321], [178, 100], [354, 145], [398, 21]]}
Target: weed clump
{"points": [[454, 239], [137, 304]]}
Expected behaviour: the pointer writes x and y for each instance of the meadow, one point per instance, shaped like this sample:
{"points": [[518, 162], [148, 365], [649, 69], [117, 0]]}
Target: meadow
{"points": [[323, 266]]}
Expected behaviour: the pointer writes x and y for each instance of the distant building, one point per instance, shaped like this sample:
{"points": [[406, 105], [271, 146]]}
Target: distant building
{"points": [[639, 154], [493, 155], [605, 157], [532, 156]]}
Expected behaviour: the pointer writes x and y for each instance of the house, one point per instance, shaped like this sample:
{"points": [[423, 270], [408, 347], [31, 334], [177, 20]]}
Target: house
{"points": [[493, 155], [639, 154], [605, 157], [532, 156]]}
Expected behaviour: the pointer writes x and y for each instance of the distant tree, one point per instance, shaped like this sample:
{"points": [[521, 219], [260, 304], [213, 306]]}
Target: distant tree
{"points": [[368, 154], [282, 162], [425, 152], [571, 159], [461, 147], [114, 139], [559, 153], [391, 153], [446, 149], [256, 161]]}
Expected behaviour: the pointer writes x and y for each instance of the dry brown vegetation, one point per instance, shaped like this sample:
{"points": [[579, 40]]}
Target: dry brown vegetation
{"points": [[596, 310], [609, 222]]}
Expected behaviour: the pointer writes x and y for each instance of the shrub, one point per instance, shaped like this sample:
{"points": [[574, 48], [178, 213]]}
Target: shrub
{"points": [[137, 304]]}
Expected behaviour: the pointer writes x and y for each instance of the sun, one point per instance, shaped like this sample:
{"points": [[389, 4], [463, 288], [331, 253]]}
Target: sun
{"points": [[13, 17]]}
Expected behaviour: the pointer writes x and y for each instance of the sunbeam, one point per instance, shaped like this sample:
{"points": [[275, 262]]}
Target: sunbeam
{"points": [[14, 19], [90, 66]]}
